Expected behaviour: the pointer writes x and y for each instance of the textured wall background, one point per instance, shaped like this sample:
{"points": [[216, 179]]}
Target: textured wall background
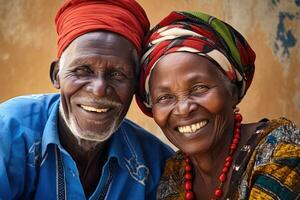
{"points": [[272, 27]]}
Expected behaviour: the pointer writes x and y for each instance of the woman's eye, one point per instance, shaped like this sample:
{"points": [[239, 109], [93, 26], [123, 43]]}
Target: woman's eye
{"points": [[199, 89], [164, 98]]}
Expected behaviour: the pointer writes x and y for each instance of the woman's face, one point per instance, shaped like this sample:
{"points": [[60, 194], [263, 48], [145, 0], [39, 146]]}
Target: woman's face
{"points": [[191, 102]]}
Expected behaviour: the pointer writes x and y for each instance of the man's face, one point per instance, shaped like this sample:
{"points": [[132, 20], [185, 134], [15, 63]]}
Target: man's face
{"points": [[96, 79]]}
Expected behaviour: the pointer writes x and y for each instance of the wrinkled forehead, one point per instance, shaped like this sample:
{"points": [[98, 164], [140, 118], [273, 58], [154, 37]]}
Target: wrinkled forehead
{"points": [[101, 44], [104, 42]]}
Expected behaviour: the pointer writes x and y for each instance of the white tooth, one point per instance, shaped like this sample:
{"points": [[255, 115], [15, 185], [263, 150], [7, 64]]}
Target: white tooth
{"points": [[194, 128], [180, 129], [202, 124], [88, 108], [189, 129]]}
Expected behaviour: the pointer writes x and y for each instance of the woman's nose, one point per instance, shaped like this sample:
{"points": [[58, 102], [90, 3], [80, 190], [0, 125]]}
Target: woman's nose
{"points": [[185, 107]]}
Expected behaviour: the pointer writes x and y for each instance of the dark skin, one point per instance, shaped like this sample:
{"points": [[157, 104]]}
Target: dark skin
{"points": [[194, 107], [96, 77]]}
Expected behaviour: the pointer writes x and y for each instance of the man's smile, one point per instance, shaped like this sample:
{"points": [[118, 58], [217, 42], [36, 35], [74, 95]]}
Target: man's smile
{"points": [[93, 109]]}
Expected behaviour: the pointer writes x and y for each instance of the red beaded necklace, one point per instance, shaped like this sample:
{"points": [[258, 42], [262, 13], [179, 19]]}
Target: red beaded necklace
{"points": [[188, 184]]}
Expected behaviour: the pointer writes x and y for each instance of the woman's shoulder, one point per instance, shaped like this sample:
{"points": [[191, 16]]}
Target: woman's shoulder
{"points": [[277, 138], [279, 130], [274, 165]]}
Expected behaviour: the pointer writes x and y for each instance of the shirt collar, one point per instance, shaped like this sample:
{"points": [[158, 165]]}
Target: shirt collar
{"points": [[118, 147], [50, 133]]}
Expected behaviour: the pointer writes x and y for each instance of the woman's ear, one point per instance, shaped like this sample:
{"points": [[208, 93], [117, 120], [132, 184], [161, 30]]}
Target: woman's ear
{"points": [[54, 75]]}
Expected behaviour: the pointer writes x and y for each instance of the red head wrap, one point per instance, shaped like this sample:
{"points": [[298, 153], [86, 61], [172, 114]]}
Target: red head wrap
{"points": [[77, 17]]}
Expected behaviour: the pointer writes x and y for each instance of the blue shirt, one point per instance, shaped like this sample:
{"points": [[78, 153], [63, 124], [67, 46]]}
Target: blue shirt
{"points": [[34, 165]]}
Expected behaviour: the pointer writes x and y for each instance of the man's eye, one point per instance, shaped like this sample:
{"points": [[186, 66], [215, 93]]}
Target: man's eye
{"points": [[85, 70], [117, 75]]}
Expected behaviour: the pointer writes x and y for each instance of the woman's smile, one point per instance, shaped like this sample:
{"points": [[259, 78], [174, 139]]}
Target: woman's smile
{"points": [[192, 129]]}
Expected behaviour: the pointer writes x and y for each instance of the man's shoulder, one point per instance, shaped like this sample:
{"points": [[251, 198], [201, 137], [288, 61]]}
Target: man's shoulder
{"points": [[31, 110], [21, 105], [137, 134]]}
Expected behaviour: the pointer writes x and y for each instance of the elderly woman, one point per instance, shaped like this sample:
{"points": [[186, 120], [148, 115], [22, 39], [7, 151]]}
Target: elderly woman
{"points": [[195, 70]]}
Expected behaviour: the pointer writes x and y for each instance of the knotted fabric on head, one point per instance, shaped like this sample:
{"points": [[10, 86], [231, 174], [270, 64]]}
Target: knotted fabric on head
{"points": [[77, 17], [203, 35]]}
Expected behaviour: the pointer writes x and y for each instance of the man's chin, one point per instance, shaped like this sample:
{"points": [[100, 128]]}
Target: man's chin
{"points": [[96, 135]]}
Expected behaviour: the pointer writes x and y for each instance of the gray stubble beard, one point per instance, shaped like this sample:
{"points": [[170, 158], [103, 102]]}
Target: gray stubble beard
{"points": [[86, 140]]}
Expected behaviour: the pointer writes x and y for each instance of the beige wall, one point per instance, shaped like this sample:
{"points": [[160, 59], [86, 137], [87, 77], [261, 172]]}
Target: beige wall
{"points": [[272, 27]]}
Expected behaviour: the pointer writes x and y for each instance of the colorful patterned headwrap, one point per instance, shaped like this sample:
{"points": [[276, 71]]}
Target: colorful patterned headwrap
{"points": [[203, 35], [77, 17]]}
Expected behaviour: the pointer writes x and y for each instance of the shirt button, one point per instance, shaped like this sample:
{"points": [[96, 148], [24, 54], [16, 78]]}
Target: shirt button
{"points": [[72, 173]]}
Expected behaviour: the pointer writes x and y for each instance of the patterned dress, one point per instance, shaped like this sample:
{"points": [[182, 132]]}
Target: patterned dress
{"points": [[267, 167]]}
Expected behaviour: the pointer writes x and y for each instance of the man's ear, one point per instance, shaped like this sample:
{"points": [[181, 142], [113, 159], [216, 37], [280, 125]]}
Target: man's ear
{"points": [[54, 76]]}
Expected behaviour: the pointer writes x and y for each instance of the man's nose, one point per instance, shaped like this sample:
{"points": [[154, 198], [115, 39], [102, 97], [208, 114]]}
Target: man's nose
{"points": [[184, 107], [98, 86]]}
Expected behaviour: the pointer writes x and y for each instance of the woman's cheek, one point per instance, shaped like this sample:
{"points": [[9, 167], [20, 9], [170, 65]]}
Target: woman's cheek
{"points": [[215, 102], [160, 115]]}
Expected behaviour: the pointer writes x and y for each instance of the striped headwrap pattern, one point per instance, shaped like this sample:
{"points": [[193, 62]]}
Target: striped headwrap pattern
{"points": [[203, 35]]}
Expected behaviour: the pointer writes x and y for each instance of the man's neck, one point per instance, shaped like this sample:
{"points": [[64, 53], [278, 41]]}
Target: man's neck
{"points": [[89, 156], [81, 150]]}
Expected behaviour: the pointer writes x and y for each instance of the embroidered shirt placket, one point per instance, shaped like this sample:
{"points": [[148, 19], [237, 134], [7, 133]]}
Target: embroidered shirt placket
{"points": [[107, 186], [60, 176]]}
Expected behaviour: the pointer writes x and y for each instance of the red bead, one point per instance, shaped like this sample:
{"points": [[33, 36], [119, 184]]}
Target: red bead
{"points": [[237, 130], [235, 141], [227, 164], [188, 185], [237, 136], [188, 168], [188, 176], [187, 160], [228, 159], [238, 117], [233, 146], [237, 125], [189, 195], [218, 192], [222, 178], [225, 169]]}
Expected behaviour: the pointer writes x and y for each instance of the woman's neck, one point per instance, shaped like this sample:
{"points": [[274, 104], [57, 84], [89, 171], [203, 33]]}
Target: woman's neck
{"points": [[208, 166], [212, 160]]}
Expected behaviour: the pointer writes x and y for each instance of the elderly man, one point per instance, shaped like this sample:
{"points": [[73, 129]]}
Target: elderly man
{"points": [[76, 145]]}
